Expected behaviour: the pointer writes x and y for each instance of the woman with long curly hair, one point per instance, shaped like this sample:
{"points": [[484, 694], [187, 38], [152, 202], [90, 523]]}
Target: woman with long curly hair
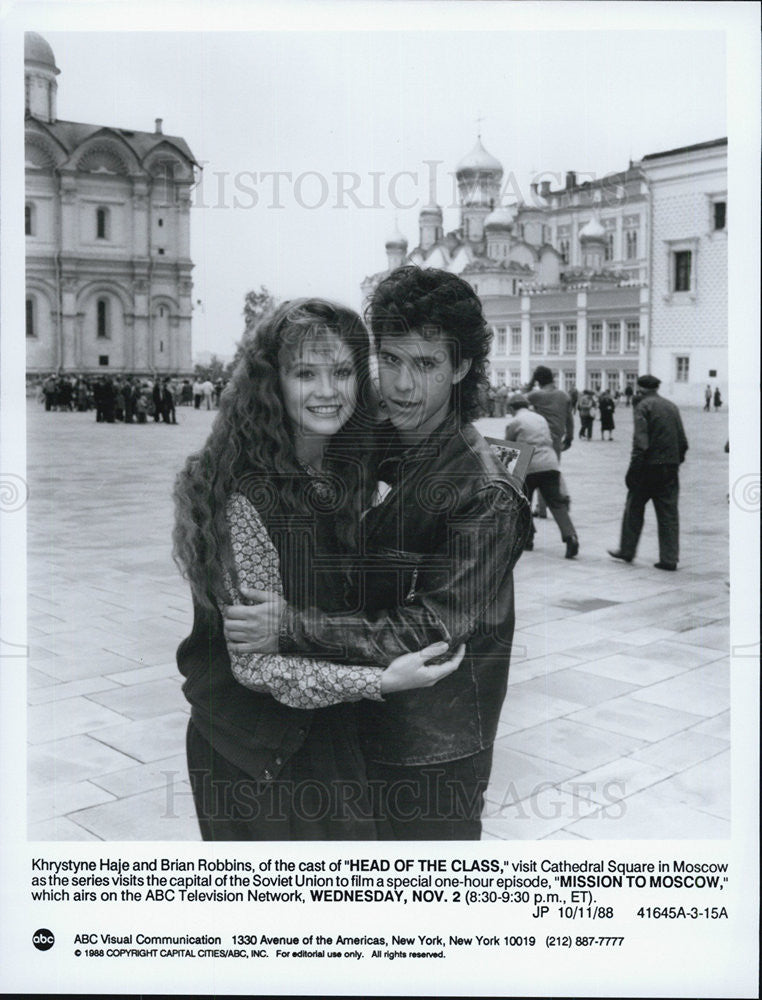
{"points": [[272, 744]]}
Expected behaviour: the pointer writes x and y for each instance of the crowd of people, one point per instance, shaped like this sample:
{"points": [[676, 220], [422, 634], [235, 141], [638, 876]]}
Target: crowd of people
{"points": [[589, 404], [127, 398]]}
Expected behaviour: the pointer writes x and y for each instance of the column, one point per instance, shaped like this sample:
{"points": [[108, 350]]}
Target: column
{"points": [[140, 235], [182, 249], [581, 340], [526, 333], [141, 328], [68, 350], [644, 349], [69, 234]]}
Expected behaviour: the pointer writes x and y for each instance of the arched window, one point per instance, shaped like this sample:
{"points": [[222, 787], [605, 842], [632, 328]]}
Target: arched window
{"points": [[29, 219], [102, 318], [101, 223], [31, 326]]}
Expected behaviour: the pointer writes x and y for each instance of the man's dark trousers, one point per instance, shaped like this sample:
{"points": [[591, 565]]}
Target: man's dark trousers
{"points": [[430, 801], [660, 484]]}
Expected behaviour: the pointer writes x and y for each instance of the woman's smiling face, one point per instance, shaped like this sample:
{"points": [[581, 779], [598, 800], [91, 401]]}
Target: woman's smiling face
{"points": [[319, 385]]}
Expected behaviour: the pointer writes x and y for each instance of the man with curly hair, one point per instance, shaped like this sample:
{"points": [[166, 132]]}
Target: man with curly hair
{"points": [[434, 562]]}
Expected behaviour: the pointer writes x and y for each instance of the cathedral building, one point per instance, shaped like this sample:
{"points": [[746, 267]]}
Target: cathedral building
{"points": [[565, 277], [107, 223]]}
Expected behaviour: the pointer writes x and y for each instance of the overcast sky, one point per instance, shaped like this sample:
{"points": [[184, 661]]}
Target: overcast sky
{"points": [[371, 105]]}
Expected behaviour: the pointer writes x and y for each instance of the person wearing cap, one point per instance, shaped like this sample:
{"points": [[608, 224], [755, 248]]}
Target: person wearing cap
{"points": [[543, 474], [659, 445]]}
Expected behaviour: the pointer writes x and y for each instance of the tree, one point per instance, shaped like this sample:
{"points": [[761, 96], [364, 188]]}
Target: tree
{"points": [[212, 371], [256, 305]]}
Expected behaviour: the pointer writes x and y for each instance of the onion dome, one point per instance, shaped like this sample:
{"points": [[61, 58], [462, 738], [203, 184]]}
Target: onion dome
{"points": [[593, 230], [499, 219], [432, 211], [479, 161], [396, 241], [37, 50]]}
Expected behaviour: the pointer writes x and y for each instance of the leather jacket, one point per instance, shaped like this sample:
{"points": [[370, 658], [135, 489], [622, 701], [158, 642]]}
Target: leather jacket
{"points": [[658, 436], [435, 563]]}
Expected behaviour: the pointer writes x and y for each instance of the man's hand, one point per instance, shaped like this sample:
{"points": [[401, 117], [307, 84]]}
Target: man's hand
{"points": [[254, 628], [566, 443], [631, 478]]}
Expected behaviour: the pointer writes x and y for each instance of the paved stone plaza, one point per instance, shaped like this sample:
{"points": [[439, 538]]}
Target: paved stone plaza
{"points": [[616, 724]]}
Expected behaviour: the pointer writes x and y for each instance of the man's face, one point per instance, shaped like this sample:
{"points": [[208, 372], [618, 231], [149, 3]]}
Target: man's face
{"points": [[416, 376]]}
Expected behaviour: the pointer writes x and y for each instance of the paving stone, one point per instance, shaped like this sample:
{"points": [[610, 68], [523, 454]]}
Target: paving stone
{"points": [[36, 679], [148, 816], [55, 720], [629, 716], [168, 773], [705, 786], [148, 739], [61, 799], [683, 750], [59, 828], [716, 636], [614, 780], [574, 686], [516, 775], [523, 708], [704, 699], [541, 666], [644, 636], [75, 758], [139, 675], [588, 652], [58, 692], [676, 652], [93, 663], [571, 743], [647, 817], [144, 651], [142, 701], [549, 811], [633, 670], [719, 726], [717, 674]]}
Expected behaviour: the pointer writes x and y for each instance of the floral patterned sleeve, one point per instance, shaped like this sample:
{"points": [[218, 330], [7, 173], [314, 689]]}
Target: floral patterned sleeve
{"points": [[298, 681]]}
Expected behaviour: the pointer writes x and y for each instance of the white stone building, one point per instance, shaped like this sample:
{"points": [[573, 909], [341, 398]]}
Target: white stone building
{"points": [[570, 278], [107, 221], [688, 347]]}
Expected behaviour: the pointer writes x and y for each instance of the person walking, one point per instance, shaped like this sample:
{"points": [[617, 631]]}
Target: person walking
{"points": [[544, 473], [717, 399], [659, 445], [606, 407], [207, 389], [502, 399], [708, 398], [555, 405], [157, 400], [198, 393], [628, 393], [168, 411], [586, 408]]}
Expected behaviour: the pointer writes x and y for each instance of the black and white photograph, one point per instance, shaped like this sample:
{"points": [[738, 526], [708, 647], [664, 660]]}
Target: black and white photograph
{"points": [[381, 465]]}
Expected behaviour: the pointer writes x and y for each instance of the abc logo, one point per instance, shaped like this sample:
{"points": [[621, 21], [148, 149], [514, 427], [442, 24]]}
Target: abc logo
{"points": [[43, 939]]}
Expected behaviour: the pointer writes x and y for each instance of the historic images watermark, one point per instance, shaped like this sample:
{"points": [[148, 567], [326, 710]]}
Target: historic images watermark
{"points": [[378, 189]]}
